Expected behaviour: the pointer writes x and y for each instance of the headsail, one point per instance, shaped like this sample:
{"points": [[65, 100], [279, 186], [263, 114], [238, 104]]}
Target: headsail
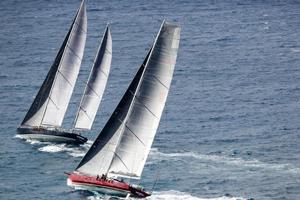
{"points": [[123, 145], [51, 102], [96, 84]]}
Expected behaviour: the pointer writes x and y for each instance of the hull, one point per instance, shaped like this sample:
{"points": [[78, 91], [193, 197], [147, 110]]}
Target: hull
{"points": [[105, 186], [55, 135]]}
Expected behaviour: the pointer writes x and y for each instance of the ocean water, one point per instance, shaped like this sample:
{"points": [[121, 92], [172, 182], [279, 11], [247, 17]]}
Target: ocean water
{"points": [[231, 127]]}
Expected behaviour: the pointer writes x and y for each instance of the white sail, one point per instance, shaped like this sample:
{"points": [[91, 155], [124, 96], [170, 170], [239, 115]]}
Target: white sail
{"points": [[96, 84], [148, 104], [51, 102], [129, 140]]}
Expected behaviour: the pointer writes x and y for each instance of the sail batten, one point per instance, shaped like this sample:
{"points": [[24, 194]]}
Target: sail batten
{"points": [[48, 108], [95, 85]]}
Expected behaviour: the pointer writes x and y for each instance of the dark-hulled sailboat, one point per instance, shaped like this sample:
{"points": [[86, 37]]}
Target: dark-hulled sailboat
{"points": [[44, 119], [122, 147]]}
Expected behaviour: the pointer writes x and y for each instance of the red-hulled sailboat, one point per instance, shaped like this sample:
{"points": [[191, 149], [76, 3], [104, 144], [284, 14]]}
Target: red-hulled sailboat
{"points": [[122, 147]]}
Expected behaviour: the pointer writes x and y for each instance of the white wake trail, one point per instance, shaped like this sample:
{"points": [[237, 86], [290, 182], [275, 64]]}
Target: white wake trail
{"points": [[176, 195], [157, 156]]}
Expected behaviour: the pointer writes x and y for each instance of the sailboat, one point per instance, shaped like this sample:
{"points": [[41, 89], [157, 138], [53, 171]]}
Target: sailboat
{"points": [[122, 147], [44, 119]]}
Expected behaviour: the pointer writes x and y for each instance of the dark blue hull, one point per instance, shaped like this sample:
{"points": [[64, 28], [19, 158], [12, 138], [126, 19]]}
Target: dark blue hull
{"points": [[46, 135]]}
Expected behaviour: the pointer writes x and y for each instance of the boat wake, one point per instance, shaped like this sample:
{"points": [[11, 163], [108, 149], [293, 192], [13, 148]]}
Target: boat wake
{"points": [[157, 156], [167, 195], [176, 195], [75, 151]]}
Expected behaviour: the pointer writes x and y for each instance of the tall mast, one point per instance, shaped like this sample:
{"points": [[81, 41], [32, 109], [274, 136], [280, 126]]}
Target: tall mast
{"points": [[124, 143]]}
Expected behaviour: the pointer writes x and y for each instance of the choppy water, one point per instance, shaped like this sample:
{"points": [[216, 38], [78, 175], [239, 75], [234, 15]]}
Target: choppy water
{"points": [[231, 126]]}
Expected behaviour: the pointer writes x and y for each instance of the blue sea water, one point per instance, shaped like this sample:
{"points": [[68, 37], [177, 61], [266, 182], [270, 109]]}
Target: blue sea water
{"points": [[231, 127]]}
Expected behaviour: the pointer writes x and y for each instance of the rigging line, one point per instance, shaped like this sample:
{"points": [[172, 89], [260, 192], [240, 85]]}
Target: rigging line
{"points": [[157, 171], [121, 160], [156, 180], [53, 103], [65, 77]]}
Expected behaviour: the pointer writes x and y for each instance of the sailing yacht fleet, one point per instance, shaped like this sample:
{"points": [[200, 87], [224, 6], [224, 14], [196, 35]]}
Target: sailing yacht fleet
{"points": [[122, 147]]}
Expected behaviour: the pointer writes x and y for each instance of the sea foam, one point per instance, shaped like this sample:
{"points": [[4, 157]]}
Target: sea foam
{"points": [[167, 195], [157, 156], [75, 151]]}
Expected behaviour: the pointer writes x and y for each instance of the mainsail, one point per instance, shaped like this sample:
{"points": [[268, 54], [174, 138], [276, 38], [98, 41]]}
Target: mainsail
{"points": [[96, 84], [51, 102], [123, 145]]}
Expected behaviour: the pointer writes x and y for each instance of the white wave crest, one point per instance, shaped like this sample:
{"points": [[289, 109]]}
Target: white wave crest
{"points": [[28, 140], [156, 156], [78, 151], [166, 195], [295, 50], [176, 195], [75, 151]]}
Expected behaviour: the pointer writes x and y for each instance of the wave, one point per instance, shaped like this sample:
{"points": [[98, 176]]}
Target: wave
{"points": [[156, 156], [295, 50], [167, 195], [28, 140], [75, 151], [176, 195], [78, 151]]}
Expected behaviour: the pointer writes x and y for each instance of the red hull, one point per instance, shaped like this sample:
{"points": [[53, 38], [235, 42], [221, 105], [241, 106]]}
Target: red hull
{"points": [[109, 184]]}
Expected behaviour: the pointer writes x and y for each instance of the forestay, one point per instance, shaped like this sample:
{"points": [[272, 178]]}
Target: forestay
{"points": [[122, 147], [96, 84], [51, 102]]}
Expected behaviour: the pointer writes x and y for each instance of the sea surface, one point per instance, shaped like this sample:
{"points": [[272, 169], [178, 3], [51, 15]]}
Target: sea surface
{"points": [[231, 126]]}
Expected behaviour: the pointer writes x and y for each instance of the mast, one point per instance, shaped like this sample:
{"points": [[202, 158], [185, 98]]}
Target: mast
{"points": [[48, 108], [147, 107], [123, 145], [130, 108], [96, 84]]}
